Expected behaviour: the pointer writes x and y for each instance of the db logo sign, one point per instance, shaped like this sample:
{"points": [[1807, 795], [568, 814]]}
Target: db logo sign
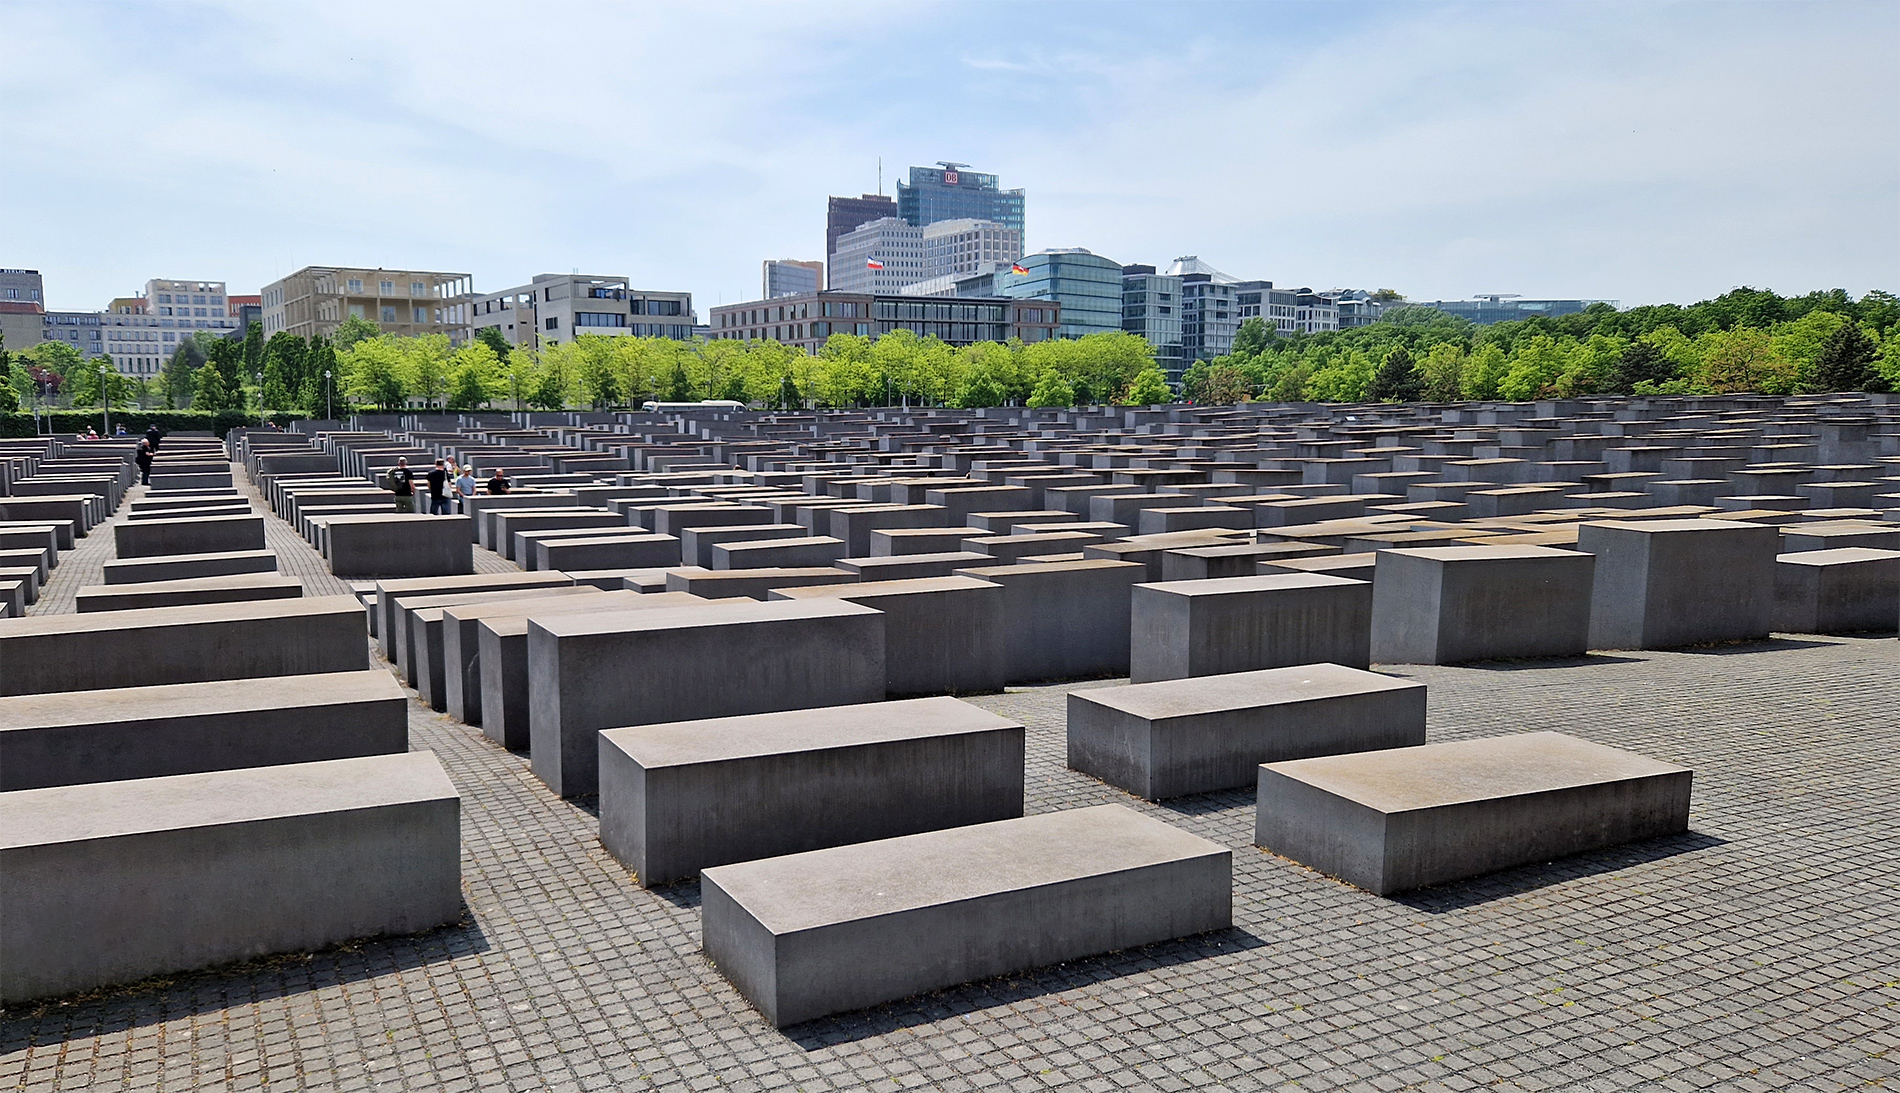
{"points": [[949, 178]]}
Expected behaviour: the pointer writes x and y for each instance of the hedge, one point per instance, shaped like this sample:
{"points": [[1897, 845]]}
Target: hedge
{"points": [[136, 421]]}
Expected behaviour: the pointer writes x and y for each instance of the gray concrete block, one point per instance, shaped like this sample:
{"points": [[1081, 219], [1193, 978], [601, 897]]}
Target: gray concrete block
{"points": [[942, 635], [1064, 620], [696, 543], [905, 567], [617, 668], [457, 639], [854, 526], [1666, 583], [201, 535], [389, 591], [895, 542], [112, 882], [607, 552], [1843, 591], [1391, 821], [1243, 624], [399, 545], [806, 552], [1182, 736], [830, 931], [715, 584], [1838, 534], [1443, 605], [149, 732], [510, 525], [501, 643], [236, 588], [1201, 563], [157, 645], [1161, 521], [1357, 567], [678, 798]]}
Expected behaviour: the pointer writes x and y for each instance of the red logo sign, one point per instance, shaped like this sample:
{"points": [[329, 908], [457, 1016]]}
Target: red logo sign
{"points": [[949, 178]]}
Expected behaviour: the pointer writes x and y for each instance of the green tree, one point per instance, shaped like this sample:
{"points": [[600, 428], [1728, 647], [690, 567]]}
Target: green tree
{"points": [[1052, 390], [679, 386], [211, 392], [1252, 338], [788, 398], [495, 340], [980, 392], [1441, 372], [1846, 362], [1640, 362], [352, 330], [178, 380], [1397, 379], [254, 347], [1226, 385], [1149, 389]]}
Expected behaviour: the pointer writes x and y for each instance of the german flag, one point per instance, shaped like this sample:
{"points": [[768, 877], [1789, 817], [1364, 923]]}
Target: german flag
{"points": [[1018, 267]]}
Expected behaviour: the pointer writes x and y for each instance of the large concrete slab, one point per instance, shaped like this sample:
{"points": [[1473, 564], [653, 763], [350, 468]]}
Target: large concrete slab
{"points": [[389, 591], [616, 668], [830, 931], [192, 535], [454, 635], [112, 882], [1843, 591], [399, 545], [1244, 624], [157, 645], [678, 798], [236, 588], [148, 732], [753, 583], [1209, 733], [1660, 584], [942, 635], [1390, 821], [1443, 605], [1064, 620]]}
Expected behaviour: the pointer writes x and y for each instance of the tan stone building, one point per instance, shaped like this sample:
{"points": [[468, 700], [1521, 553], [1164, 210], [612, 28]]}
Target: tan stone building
{"points": [[316, 299]]}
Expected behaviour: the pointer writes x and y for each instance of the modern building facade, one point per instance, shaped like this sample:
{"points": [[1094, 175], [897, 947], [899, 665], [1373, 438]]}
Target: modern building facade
{"points": [[807, 321], [844, 214], [953, 248], [1286, 310], [141, 332], [83, 330], [880, 256], [791, 277], [1357, 307], [1087, 285], [316, 299], [1151, 307], [1504, 308], [22, 308], [559, 307], [949, 192], [1209, 317]]}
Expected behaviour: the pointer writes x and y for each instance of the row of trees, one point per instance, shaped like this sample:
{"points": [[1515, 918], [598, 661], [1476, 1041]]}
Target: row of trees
{"points": [[1746, 340]]}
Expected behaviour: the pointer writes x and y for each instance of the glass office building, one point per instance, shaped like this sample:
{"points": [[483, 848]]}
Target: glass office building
{"points": [[948, 192], [1087, 285], [1151, 307]]}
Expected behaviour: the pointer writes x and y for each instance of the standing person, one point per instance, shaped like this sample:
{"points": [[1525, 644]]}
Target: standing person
{"points": [[465, 488], [438, 490], [499, 483], [402, 482], [144, 460], [152, 435]]}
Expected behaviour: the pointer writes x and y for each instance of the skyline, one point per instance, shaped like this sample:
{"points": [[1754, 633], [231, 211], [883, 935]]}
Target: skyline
{"points": [[1643, 153]]}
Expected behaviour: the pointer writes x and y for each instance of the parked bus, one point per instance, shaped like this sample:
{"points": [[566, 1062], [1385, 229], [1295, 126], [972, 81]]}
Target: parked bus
{"points": [[708, 404]]}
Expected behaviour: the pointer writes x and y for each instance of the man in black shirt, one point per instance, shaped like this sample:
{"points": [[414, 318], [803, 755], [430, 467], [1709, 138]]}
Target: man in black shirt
{"points": [[439, 490], [402, 482], [151, 436], [499, 483]]}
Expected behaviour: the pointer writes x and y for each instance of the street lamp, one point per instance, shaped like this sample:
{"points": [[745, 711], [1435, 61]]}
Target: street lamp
{"points": [[260, 399], [328, 413], [105, 398]]}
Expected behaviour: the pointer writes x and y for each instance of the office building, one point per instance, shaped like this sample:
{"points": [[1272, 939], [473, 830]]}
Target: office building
{"points": [[141, 331], [133, 338], [22, 308], [1502, 307], [1357, 307], [791, 277], [806, 321], [949, 192], [245, 310], [1286, 310], [1151, 308], [1087, 285], [957, 247], [316, 299], [1208, 316], [880, 256], [83, 330], [845, 214], [558, 307]]}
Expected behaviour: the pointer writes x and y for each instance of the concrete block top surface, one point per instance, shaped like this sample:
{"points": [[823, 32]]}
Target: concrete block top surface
{"points": [[188, 584], [509, 624], [1031, 572], [694, 616], [104, 810], [1668, 526], [173, 700], [847, 883], [1266, 582], [1241, 690], [1480, 553], [908, 587], [469, 582], [1838, 556], [579, 596], [1464, 771], [36, 625], [685, 743]]}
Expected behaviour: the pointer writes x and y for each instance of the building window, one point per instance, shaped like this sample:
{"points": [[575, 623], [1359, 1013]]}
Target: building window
{"points": [[356, 285], [417, 288], [389, 314], [422, 314], [600, 318], [386, 288], [553, 322]]}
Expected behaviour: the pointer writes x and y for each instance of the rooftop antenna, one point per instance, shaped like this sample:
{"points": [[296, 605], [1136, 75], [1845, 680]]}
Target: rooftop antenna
{"points": [[880, 176]]}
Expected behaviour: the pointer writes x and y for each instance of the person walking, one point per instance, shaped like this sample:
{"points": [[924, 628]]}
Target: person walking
{"points": [[438, 489], [464, 489], [402, 482], [144, 460]]}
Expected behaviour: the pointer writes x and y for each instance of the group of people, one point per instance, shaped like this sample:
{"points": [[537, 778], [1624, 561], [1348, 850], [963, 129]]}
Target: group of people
{"points": [[448, 486]]}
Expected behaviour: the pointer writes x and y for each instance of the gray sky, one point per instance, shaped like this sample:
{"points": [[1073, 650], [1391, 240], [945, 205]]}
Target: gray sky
{"points": [[1638, 152]]}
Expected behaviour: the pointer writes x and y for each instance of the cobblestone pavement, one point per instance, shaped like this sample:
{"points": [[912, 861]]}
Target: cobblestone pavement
{"points": [[1759, 952]]}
